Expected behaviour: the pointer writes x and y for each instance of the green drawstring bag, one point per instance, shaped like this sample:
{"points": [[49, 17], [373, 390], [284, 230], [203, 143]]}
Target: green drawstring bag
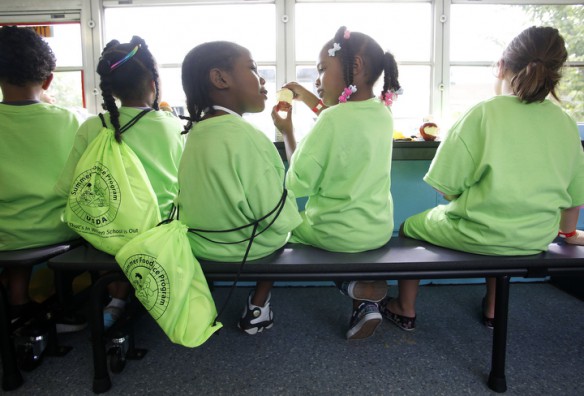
{"points": [[169, 282], [111, 199]]}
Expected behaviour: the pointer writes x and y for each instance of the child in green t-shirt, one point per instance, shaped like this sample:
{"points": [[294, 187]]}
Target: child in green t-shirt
{"points": [[343, 165], [129, 73], [231, 174], [512, 168], [36, 139]]}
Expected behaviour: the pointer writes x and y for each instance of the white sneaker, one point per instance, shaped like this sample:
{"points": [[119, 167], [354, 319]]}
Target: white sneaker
{"points": [[254, 318]]}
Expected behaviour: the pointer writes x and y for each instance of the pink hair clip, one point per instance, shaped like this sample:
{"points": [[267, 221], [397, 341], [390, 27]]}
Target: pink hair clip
{"points": [[388, 97], [347, 92], [347, 34]]}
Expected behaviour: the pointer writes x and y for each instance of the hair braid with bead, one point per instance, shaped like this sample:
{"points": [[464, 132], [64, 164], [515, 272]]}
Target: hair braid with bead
{"points": [[130, 80]]}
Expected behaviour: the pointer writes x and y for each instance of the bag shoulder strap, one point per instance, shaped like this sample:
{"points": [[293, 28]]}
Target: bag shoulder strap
{"points": [[130, 123]]}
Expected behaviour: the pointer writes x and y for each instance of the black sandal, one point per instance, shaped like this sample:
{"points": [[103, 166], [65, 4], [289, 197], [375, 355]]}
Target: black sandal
{"points": [[488, 322], [405, 323]]}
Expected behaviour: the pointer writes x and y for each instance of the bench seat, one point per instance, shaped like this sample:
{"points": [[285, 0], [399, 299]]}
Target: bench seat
{"points": [[400, 258]]}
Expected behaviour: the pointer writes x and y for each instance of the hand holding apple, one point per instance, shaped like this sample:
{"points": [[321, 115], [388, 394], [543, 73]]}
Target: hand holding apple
{"points": [[284, 98]]}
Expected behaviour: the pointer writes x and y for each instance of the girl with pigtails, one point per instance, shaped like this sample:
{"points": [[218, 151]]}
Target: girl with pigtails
{"points": [[343, 165], [129, 74]]}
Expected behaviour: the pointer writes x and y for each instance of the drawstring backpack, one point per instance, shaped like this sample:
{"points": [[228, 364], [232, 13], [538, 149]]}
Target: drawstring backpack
{"points": [[169, 281], [111, 199]]}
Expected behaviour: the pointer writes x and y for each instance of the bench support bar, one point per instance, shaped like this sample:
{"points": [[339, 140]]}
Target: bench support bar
{"points": [[497, 381]]}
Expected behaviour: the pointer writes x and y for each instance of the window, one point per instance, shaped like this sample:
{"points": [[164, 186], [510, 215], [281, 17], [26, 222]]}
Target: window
{"points": [[388, 23], [445, 67], [476, 45], [172, 31], [65, 41]]}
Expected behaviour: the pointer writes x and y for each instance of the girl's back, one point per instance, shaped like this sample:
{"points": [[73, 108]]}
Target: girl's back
{"points": [[156, 141], [349, 205], [230, 175], [518, 161]]}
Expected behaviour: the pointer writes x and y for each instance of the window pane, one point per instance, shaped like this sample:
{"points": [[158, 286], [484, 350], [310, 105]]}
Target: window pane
{"points": [[388, 23], [172, 31], [171, 88], [468, 86], [571, 92], [475, 37], [67, 89], [172, 92], [66, 44]]}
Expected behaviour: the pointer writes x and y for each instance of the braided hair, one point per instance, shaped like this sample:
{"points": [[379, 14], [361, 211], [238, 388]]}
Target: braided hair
{"points": [[375, 59], [129, 80], [24, 56], [195, 75]]}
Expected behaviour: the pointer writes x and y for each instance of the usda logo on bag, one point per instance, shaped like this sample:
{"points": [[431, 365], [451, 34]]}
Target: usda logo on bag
{"points": [[95, 196], [150, 281], [111, 199]]}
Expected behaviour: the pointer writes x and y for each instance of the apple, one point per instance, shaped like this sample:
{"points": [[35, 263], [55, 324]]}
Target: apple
{"points": [[284, 98], [429, 131]]}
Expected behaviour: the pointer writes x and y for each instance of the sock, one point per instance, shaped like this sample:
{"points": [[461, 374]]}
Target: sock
{"points": [[117, 303]]}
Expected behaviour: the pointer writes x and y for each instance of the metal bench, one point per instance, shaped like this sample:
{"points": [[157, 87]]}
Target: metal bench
{"points": [[11, 377], [401, 258]]}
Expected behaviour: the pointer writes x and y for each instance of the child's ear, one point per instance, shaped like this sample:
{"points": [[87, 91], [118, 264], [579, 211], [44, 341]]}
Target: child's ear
{"points": [[501, 69], [358, 66], [218, 78], [47, 83]]}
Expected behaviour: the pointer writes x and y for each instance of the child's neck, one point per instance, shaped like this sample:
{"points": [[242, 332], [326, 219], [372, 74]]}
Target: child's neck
{"points": [[136, 103], [362, 94], [14, 93]]}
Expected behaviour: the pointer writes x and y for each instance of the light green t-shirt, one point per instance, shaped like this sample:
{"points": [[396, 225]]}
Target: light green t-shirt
{"points": [[230, 175], [515, 167], [155, 138], [36, 140], [343, 166]]}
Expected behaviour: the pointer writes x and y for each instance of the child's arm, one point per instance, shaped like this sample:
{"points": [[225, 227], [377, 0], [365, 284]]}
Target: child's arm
{"points": [[568, 224], [304, 95], [286, 127], [448, 197]]}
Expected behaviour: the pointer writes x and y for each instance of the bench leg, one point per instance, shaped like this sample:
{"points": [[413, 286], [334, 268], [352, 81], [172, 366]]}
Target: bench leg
{"points": [[11, 377], [101, 380], [497, 381]]}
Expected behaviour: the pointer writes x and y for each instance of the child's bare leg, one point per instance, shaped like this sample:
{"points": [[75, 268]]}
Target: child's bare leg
{"points": [[262, 291], [119, 289], [489, 308], [405, 303], [18, 283]]}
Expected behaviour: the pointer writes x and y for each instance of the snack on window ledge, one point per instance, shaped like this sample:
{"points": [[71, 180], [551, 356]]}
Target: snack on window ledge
{"points": [[429, 131]]}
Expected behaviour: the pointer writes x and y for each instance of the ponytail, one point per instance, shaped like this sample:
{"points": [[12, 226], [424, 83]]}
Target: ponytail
{"points": [[535, 58]]}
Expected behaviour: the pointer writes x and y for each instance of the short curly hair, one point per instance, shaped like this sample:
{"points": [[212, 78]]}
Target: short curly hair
{"points": [[24, 56]]}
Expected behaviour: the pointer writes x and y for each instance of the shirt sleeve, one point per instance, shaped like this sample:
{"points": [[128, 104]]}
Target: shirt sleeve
{"points": [[453, 169], [307, 165]]}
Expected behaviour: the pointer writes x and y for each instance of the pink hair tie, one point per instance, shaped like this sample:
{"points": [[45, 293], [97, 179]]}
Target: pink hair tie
{"points": [[347, 34], [347, 92]]}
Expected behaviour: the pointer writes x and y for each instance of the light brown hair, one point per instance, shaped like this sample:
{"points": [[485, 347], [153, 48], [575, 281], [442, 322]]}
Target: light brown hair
{"points": [[535, 58]]}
